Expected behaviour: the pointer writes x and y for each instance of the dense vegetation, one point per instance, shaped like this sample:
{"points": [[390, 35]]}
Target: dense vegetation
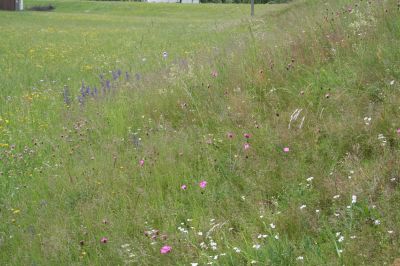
{"points": [[192, 134]]}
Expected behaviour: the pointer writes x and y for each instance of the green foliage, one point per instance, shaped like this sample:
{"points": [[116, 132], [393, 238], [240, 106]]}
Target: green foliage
{"points": [[78, 167]]}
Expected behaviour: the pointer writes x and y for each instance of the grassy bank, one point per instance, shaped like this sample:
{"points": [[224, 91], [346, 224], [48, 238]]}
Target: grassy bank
{"points": [[269, 141]]}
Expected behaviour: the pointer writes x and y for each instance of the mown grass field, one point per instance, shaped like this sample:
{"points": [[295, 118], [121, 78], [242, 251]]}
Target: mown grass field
{"points": [[128, 128]]}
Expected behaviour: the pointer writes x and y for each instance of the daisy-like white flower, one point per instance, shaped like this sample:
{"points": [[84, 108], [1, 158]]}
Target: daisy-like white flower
{"points": [[236, 249], [353, 199]]}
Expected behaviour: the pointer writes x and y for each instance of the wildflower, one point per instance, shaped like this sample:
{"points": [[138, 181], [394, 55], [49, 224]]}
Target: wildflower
{"points": [[377, 222], [302, 206], [286, 149], [230, 135], [165, 55], [262, 236], [317, 211], [247, 135], [194, 264], [367, 120], [353, 199], [256, 246], [203, 184], [300, 258], [253, 262], [336, 196], [341, 238], [236, 249], [141, 162], [246, 146], [310, 179], [392, 82], [183, 187], [214, 73], [104, 240], [276, 237], [272, 225], [200, 233], [398, 131], [165, 249], [390, 231]]}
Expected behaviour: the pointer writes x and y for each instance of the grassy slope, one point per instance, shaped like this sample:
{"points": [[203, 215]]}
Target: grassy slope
{"points": [[81, 163]]}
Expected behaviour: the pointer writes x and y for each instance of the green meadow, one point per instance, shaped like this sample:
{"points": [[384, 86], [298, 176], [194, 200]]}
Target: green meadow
{"points": [[167, 134]]}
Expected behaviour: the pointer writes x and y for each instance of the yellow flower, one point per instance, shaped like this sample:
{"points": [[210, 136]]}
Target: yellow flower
{"points": [[16, 211]]}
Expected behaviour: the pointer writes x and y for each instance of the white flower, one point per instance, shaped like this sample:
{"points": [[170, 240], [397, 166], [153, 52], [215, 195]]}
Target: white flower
{"points": [[215, 257], [353, 199], [317, 211], [336, 214], [390, 231], [341, 238], [200, 233], [236, 249], [194, 264], [302, 207], [310, 178], [377, 222], [338, 234], [392, 82], [353, 237], [243, 198], [261, 236], [367, 120], [276, 237], [256, 246], [272, 225], [300, 258], [336, 196], [253, 262]]}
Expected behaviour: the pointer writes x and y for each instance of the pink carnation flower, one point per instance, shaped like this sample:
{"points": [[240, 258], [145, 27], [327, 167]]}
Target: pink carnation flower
{"points": [[246, 146], [286, 149], [203, 184], [165, 249], [247, 135], [104, 240], [183, 187], [141, 162]]}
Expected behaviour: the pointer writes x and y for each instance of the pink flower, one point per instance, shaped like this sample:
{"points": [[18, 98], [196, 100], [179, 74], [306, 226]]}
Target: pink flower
{"points": [[247, 135], [230, 135], [141, 162], [286, 149], [246, 146], [398, 131], [214, 73], [165, 249], [203, 184], [104, 240], [183, 187]]}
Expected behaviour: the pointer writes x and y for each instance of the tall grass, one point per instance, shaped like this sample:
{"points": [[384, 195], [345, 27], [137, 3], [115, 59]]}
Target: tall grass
{"points": [[292, 120]]}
